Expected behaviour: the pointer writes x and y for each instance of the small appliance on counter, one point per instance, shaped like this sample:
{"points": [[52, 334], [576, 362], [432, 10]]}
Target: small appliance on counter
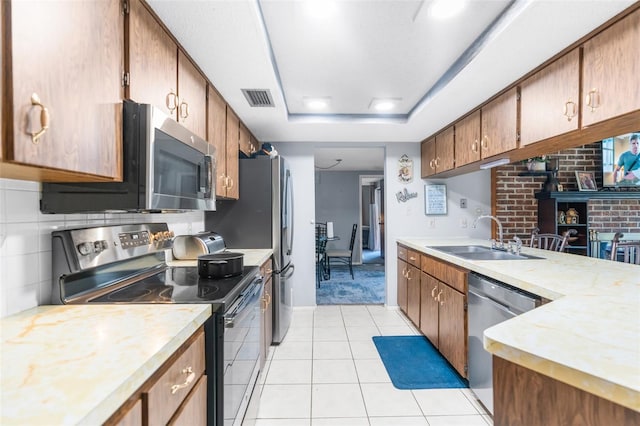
{"points": [[189, 247], [126, 264]]}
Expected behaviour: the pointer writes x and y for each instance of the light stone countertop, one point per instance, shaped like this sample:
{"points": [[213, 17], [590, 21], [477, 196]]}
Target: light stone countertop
{"points": [[252, 257], [588, 336], [77, 364]]}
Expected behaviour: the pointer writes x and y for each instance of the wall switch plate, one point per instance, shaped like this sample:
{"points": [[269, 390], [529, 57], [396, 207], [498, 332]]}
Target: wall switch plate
{"points": [[463, 203]]}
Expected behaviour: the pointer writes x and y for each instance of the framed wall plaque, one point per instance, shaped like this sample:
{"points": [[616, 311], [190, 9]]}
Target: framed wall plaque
{"points": [[435, 199]]}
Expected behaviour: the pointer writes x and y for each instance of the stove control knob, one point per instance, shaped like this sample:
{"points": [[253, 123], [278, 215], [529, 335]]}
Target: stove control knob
{"points": [[85, 248], [99, 246]]}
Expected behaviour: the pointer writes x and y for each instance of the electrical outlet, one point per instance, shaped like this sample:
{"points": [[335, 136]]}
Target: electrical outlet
{"points": [[463, 223], [432, 223], [463, 203]]}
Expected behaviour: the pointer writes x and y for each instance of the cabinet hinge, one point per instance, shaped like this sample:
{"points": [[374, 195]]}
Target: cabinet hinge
{"points": [[466, 305], [518, 136], [466, 369], [126, 77], [124, 7]]}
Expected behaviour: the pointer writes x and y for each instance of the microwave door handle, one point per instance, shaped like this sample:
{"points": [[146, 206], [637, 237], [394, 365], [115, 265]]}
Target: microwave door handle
{"points": [[208, 163]]}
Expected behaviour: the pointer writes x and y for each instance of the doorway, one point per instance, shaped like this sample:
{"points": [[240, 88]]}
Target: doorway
{"points": [[372, 219], [339, 190]]}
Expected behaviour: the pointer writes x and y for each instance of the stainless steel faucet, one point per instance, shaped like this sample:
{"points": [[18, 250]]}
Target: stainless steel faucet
{"points": [[500, 244]]}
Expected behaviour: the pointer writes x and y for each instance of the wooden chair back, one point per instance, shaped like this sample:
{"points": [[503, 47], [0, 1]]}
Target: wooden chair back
{"points": [[625, 251], [553, 242]]}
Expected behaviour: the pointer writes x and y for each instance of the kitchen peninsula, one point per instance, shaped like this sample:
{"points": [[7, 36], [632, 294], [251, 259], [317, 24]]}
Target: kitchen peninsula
{"points": [[587, 337], [78, 364]]}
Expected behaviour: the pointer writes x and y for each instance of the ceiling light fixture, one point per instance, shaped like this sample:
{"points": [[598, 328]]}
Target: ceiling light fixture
{"points": [[444, 9], [496, 163], [321, 9], [338, 161], [316, 103], [384, 105]]}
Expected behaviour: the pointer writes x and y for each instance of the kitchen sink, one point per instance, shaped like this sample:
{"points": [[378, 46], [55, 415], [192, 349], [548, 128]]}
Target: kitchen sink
{"points": [[482, 253]]}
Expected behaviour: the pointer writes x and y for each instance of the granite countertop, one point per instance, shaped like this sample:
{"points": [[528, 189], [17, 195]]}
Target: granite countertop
{"points": [[77, 364], [588, 336], [252, 257]]}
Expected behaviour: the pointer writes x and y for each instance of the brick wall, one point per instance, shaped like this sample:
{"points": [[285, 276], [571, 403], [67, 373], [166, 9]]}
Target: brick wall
{"points": [[517, 208]]}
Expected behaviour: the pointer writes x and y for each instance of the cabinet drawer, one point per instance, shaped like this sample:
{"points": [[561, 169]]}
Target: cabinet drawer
{"points": [[194, 410], [161, 402], [266, 269], [413, 257], [445, 272], [402, 252]]}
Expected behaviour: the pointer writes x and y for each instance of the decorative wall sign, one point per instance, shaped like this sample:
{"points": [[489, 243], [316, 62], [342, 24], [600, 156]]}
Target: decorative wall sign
{"points": [[404, 195], [435, 199], [405, 169]]}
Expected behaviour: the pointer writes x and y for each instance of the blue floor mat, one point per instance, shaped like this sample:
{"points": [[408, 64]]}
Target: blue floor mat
{"points": [[413, 363]]}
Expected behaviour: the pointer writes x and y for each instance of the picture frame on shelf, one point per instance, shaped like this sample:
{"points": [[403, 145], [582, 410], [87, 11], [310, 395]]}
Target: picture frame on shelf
{"points": [[586, 181]]}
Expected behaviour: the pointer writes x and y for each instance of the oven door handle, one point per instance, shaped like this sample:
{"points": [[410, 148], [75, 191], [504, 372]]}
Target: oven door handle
{"points": [[242, 307]]}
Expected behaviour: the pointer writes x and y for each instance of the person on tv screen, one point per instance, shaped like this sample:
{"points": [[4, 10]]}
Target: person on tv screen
{"points": [[629, 161]]}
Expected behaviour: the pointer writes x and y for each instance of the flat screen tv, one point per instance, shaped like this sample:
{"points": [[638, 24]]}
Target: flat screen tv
{"points": [[620, 153]]}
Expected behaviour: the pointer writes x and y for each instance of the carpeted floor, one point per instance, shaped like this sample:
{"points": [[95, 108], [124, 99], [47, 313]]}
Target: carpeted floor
{"points": [[366, 288], [372, 256]]}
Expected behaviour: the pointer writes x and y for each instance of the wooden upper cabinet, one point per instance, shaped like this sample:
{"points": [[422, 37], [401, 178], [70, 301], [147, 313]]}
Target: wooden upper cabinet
{"points": [[232, 142], [56, 64], [245, 141], [217, 136], [192, 91], [549, 100], [153, 61], [467, 140], [427, 157], [499, 119], [445, 144], [610, 71]]}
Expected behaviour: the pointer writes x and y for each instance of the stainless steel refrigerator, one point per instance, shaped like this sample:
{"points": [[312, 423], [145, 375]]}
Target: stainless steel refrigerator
{"points": [[263, 218]]}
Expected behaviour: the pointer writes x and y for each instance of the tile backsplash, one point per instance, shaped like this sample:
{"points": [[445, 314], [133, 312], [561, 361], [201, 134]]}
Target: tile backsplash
{"points": [[25, 241]]}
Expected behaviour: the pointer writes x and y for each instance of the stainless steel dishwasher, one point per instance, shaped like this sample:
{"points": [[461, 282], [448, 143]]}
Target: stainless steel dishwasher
{"points": [[490, 302]]}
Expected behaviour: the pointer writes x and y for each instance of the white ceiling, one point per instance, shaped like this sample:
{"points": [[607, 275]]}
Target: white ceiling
{"points": [[371, 48]]}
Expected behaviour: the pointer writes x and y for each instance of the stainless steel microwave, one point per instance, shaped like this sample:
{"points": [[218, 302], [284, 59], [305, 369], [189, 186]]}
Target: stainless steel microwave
{"points": [[167, 168]]}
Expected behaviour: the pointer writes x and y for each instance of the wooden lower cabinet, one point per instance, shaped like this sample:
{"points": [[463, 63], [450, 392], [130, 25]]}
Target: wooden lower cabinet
{"points": [[402, 285], [523, 397], [413, 294], [429, 316], [175, 394], [452, 327]]}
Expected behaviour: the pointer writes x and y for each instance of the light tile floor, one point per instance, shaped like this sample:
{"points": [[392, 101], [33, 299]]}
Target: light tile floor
{"points": [[327, 372]]}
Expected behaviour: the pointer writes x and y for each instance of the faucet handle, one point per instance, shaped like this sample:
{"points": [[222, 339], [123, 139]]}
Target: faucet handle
{"points": [[493, 243], [518, 243]]}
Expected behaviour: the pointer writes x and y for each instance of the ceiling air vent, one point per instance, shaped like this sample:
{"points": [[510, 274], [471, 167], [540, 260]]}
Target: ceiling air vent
{"points": [[258, 97]]}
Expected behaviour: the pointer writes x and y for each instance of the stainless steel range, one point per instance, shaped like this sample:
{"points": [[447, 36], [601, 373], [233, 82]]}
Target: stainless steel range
{"points": [[125, 264]]}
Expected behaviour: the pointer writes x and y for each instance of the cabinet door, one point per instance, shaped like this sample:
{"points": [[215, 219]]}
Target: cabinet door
{"points": [[192, 90], [245, 141], [499, 121], [429, 308], [452, 336], [549, 100], [610, 71], [53, 55], [216, 135], [403, 269], [428, 157], [444, 150], [413, 294], [233, 138], [467, 139], [153, 61]]}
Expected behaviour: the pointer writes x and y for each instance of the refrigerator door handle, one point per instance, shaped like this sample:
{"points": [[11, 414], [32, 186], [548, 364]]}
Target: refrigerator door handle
{"points": [[288, 207]]}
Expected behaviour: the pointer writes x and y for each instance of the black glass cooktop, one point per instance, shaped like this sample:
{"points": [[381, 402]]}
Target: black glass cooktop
{"points": [[181, 285]]}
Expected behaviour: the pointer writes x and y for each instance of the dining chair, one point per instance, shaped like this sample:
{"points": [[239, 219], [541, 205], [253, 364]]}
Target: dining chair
{"points": [[625, 251], [321, 256], [344, 256], [553, 242]]}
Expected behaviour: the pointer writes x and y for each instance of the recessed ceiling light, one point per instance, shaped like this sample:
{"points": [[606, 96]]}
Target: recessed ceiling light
{"points": [[384, 104], [443, 9], [317, 103], [321, 9]]}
